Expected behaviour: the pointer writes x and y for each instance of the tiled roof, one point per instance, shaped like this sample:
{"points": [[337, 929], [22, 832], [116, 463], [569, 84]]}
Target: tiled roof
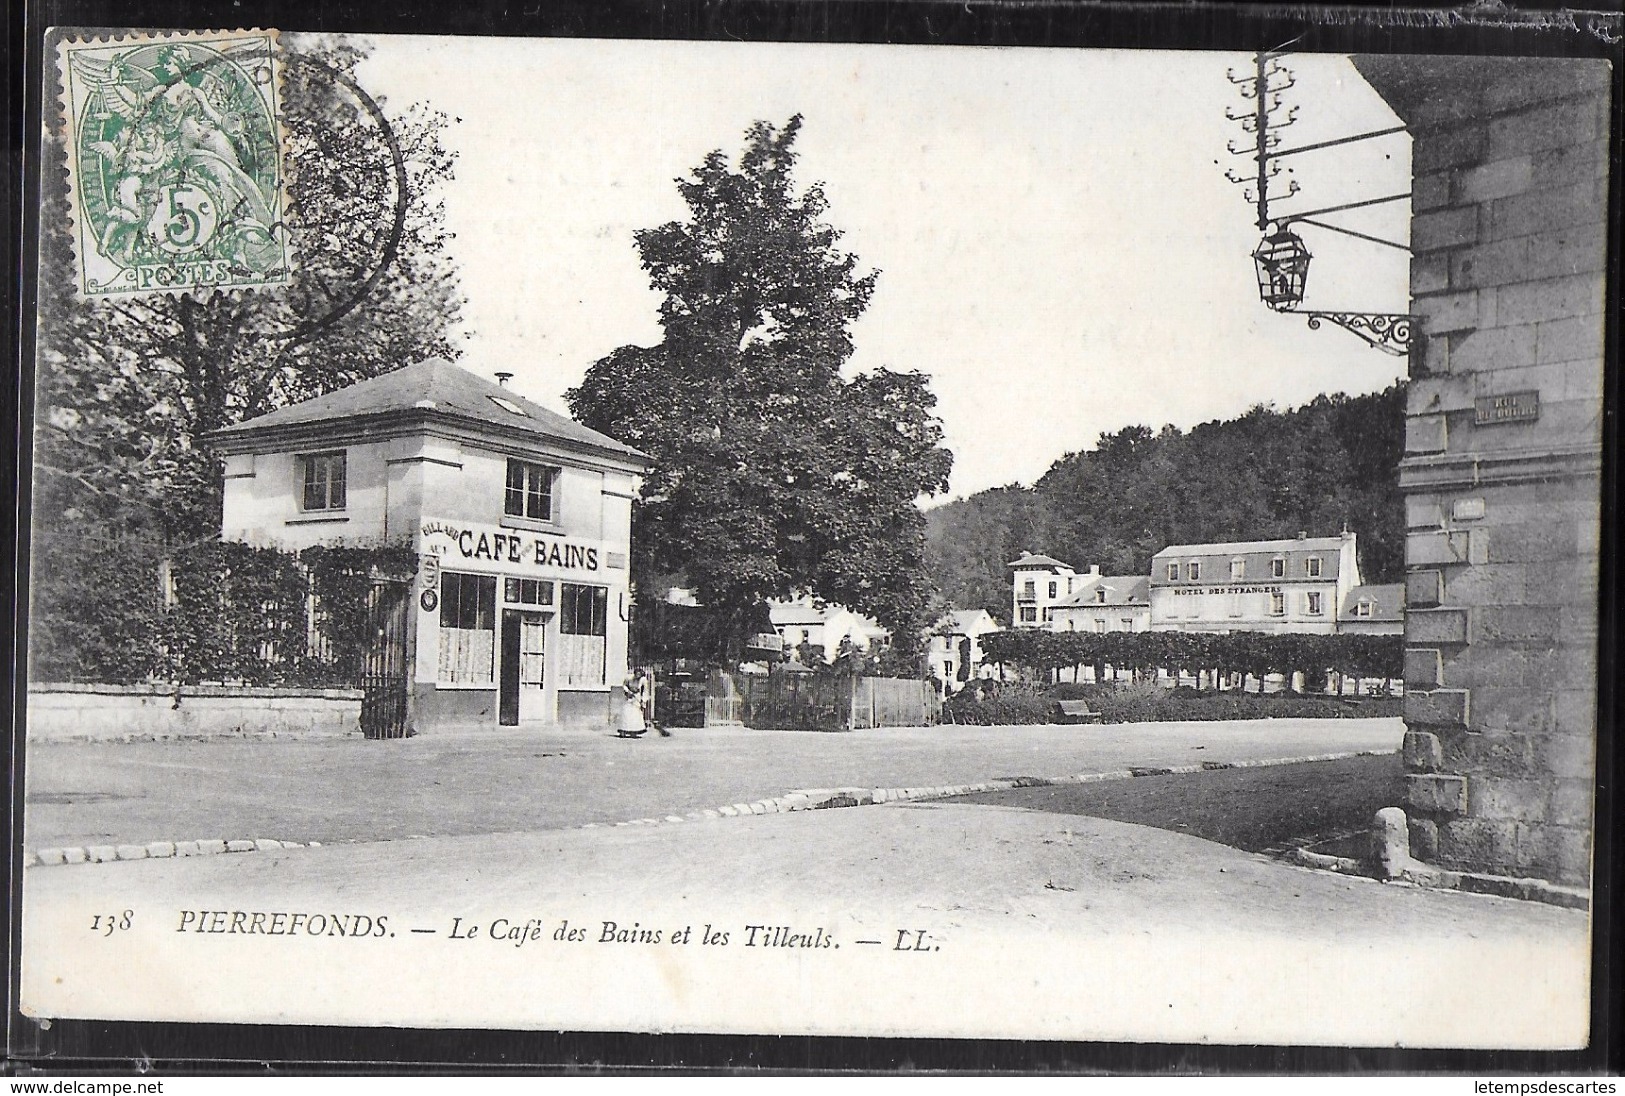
{"points": [[1028, 559], [783, 613], [1388, 602], [1240, 547], [963, 619], [439, 387], [1121, 590]]}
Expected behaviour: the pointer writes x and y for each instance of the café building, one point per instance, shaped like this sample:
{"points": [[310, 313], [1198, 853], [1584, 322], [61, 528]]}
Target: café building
{"points": [[520, 518]]}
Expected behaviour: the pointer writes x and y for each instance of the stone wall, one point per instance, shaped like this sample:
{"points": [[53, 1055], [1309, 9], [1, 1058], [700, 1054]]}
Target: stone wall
{"points": [[102, 713], [1502, 474]]}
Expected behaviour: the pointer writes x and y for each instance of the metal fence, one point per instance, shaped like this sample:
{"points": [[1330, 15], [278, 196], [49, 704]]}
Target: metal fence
{"points": [[819, 702]]}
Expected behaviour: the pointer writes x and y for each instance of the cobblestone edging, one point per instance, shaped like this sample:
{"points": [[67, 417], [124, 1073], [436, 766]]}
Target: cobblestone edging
{"points": [[802, 800], [824, 798], [157, 850]]}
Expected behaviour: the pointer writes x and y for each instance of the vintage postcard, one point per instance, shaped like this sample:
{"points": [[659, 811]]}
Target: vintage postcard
{"points": [[826, 539]]}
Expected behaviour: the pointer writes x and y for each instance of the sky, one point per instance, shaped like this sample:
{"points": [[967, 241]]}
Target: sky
{"points": [[1058, 246]]}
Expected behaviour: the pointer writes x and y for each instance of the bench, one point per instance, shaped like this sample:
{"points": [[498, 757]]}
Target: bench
{"points": [[1075, 711]]}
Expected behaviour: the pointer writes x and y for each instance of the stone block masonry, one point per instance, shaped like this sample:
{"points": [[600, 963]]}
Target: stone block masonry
{"points": [[1510, 219], [108, 713]]}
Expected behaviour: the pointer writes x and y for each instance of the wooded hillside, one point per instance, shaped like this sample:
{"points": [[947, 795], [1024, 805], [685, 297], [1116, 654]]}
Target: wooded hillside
{"points": [[1266, 474]]}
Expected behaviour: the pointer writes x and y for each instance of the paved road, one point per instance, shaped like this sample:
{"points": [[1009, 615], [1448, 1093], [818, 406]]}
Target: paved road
{"points": [[353, 789], [1257, 809], [1035, 924]]}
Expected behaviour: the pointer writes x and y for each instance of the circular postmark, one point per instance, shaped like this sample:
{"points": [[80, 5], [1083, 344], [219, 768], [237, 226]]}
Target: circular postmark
{"points": [[345, 302]]}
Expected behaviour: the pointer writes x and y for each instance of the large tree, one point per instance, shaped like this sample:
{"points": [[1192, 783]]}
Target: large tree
{"points": [[127, 386], [774, 474]]}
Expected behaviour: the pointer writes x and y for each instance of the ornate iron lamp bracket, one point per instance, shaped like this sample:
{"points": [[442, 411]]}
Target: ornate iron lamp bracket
{"points": [[1390, 332]]}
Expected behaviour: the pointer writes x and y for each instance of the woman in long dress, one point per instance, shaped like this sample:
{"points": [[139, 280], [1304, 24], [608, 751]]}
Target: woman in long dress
{"points": [[633, 721]]}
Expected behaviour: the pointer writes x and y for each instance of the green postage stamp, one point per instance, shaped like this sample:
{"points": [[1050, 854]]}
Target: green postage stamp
{"points": [[175, 162]]}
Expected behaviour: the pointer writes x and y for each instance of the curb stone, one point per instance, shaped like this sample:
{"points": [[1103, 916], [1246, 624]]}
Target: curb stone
{"points": [[803, 799], [793, 801], [1428, 877], [156, 850]]}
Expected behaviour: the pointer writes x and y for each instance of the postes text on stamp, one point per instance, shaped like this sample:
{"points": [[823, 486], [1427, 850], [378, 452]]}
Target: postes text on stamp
{"points": [[176, 162]]}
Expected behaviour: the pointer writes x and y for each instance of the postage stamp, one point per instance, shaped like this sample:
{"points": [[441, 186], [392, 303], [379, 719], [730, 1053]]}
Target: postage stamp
{"points": [[175, 162]]}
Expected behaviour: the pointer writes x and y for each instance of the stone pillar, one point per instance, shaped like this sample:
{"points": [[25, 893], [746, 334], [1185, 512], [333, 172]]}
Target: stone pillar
{"points": [[1502, 473]]}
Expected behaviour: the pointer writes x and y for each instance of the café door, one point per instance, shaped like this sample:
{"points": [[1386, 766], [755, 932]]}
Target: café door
{"points": [[524, 667]]}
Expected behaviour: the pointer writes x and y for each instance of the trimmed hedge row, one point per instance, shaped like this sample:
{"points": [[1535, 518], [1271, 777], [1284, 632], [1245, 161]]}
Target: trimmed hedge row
{"points": [[1257, 653]]}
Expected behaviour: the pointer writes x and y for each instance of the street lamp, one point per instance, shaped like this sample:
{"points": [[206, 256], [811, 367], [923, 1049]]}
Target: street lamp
{"points": [[1281, 259], [1283, 269], [1282, 263]]}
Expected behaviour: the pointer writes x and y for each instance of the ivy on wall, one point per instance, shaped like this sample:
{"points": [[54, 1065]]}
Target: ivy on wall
{"points": [[116, 609]]}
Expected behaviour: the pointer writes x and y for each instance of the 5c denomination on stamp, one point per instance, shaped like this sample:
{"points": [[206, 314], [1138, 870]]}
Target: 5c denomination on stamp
{"points": [[176, 162]]}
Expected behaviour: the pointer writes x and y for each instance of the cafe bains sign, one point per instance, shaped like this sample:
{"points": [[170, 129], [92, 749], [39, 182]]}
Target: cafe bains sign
{"points": [[490, 549]]}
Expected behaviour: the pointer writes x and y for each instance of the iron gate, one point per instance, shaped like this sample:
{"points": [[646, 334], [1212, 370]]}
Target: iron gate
{"points": [[384, 678]]}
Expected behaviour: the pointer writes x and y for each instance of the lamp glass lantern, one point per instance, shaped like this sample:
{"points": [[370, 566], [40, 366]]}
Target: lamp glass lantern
{"points": [[1283, 269]]}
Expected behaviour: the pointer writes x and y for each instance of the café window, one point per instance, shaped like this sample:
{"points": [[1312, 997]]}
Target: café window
{"points": [[1173, 572], [527, 591], [1277, 568], [530, 491], [1312, 565], [1029, 614], [468, 623], [1128, 624], [583, 615], [1193, 571], [1362, 608], [1100, 595], [1238, 569], [1277, 604], [1317, 603], [1100, 625], [1052, 589], [323, 478]]}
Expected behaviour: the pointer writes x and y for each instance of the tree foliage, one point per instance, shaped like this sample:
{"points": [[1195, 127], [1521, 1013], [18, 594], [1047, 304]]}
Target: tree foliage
{"points": [[1256, 653], [127, 386], [1268, 474], [774, 474]]}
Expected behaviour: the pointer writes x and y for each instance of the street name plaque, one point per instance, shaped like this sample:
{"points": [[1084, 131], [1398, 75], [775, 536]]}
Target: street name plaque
{"points": [[1510, 407]]}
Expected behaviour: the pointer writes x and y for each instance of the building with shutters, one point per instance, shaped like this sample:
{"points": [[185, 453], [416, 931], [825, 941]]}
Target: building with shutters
{"points": [[954, 651], [521, 521], [1305, 585], [1103, 603], [1296, 585]]}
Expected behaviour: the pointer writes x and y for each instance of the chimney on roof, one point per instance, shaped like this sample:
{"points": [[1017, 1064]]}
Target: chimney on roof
{"points": [[504, 378], [1303, 534], [1094, 568]]}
